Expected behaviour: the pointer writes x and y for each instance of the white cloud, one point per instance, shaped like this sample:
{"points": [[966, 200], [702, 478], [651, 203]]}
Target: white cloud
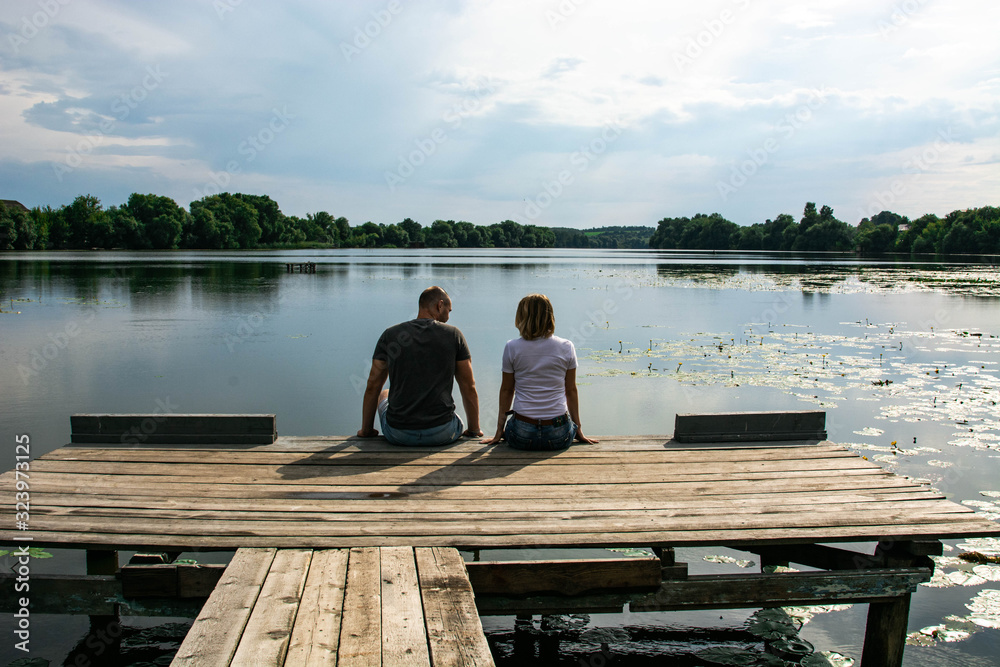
{"points": [[515, 89]]}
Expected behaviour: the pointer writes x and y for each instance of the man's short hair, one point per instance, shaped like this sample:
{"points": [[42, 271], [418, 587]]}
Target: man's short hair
{"points": [[432, 295]]}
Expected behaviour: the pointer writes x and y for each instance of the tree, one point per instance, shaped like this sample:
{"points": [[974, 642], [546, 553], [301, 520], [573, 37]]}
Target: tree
{"points": [[441, 235], [270, 219], [395, 236], [233, 223], [86, 224], [161, 220], [413, 230]]}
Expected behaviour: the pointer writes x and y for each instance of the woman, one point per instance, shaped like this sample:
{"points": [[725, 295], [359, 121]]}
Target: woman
{"points": [[539, 377]]}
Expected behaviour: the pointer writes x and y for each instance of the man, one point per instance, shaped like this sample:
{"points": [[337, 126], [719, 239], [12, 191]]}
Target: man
{"points": [[421, 358]]}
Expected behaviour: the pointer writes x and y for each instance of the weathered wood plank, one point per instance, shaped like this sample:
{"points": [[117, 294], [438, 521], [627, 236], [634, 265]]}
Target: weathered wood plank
{"points": [[415, 472], [705, 537], [566, 577], [446, 457], [316, 635], [361, 626], [216, 632], [269, 629], [170, 487], [404, 637], [746, 591], [137, 429], [750, 426], [615, 443], [454, 631]]}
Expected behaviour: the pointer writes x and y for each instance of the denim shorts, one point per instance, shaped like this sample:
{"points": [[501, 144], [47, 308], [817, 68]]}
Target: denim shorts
{"points": [[420, 437], [522, 435]]}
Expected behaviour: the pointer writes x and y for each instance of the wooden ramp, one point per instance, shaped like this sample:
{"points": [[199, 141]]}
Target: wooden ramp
{"points": [[359, 607]]}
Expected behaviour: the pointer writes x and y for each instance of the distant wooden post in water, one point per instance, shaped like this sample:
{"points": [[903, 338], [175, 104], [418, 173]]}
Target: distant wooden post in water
{"points": [[300, 267], [348, 548]]}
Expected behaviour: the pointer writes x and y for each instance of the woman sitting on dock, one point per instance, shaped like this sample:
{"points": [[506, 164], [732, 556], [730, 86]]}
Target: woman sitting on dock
{"points": [[539, 378]]}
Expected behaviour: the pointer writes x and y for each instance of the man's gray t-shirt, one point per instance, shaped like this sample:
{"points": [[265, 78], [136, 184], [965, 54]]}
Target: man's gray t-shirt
{"points": [[421, 355]]}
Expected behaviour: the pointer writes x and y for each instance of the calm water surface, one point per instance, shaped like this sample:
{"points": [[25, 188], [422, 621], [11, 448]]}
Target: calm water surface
{"points": [[895, 352]]}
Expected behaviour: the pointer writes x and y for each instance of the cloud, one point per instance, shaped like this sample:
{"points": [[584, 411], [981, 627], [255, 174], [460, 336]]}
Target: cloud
{"points": [[506, 95]]}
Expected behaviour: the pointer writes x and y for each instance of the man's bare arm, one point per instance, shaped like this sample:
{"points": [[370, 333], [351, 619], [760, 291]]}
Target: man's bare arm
{"points": [[470, 398], [376, 380]]}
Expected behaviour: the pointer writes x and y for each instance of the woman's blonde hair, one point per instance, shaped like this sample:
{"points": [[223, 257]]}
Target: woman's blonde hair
{"points": [[535, 317]]}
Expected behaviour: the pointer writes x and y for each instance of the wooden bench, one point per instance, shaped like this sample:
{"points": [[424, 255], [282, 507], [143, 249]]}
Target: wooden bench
{"points": [[358, 606]]}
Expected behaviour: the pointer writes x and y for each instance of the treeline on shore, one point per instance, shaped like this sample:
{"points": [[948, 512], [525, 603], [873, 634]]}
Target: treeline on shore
{"points": [[973, 231], [243, 221]]}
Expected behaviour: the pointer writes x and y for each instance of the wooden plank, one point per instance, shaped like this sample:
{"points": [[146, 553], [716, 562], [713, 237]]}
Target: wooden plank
{"points": [[361, 627], [750, 501], [316, 635], [181, 486], [269, 629], [750, 426], [454, 631], [584, 523], [447, 457], [139, 429], [189, 424], [318, 444], [404, 638], [566, 577], [215, 634], [739, 591], [433, 475], [345, 512]]}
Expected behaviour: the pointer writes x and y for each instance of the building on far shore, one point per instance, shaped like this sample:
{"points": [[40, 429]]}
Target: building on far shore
{"points": [[10, 203]]}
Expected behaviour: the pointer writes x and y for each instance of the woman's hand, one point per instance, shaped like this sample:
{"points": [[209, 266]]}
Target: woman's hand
{"points": [[580, 437], [495, 439]]}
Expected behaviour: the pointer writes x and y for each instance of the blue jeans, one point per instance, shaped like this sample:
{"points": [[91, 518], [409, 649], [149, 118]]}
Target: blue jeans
{"points": [[423, 437], [522, 435]]}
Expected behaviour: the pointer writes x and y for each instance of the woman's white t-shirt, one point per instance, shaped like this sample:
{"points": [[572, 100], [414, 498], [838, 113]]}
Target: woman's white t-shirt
{"points": [[539, 367]]}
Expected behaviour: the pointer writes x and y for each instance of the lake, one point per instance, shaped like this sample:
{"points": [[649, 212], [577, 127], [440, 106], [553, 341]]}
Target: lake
{"points": [[904, 357]]}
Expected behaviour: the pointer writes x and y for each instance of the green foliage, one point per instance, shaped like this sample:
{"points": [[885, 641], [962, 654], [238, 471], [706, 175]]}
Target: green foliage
{"points": [[242, 221], [975, 231]]}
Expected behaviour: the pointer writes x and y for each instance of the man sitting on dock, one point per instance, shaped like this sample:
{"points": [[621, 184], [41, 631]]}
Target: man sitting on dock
{"points": [[421, 358]]}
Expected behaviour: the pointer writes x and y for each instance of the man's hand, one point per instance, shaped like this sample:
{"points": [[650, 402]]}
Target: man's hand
{"points": [[473, 433], [367, 433]]}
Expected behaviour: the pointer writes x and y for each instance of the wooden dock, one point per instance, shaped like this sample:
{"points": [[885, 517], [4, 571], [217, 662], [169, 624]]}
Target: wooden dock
{"points": [[361, 606], [786, 501]]}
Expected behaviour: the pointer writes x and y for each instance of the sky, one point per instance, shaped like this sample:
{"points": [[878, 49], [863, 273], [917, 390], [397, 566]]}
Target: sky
{"points": [[563, 113]]}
